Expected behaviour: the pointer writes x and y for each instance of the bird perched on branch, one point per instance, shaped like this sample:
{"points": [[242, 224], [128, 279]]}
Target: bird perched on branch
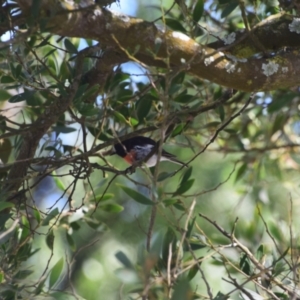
{"points": [[142, 149]]}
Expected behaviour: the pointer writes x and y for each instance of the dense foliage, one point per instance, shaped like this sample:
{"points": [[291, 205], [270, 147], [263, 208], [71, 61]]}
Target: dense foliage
{"points": [[216, 83]]}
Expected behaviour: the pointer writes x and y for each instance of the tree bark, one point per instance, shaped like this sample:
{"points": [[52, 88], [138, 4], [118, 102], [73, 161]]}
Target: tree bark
{"points": [[150, 45]]}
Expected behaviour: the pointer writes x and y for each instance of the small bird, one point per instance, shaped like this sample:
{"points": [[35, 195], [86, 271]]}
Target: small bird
{"points": [[136, 149]]}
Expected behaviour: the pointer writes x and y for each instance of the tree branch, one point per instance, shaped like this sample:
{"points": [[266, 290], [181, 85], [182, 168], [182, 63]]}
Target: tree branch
{"points": [[165, 48], [32, 137], [273, 33]]}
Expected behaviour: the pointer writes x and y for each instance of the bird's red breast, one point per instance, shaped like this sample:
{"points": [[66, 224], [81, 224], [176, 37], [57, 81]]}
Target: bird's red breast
{"points": [[130, 157]]}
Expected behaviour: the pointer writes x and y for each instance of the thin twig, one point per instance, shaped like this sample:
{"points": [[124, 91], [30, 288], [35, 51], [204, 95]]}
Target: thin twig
{"points": [[4, 234], [263, 270], [191, 209]]}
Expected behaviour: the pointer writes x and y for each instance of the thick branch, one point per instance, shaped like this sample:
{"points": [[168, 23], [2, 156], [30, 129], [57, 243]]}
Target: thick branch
{"points": [[142, 40], [273, 33], [49, 117], [31, 138]]}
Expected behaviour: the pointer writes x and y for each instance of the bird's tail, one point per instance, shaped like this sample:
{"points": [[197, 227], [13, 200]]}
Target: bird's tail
{"points": [[173, 158]]}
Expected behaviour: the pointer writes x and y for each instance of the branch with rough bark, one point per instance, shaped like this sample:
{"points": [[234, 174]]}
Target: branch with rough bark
{"points": [[39, 128], [273, 33], [159, 47]]}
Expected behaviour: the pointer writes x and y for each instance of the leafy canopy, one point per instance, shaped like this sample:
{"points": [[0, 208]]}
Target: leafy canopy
{"points": [[215, 83]]}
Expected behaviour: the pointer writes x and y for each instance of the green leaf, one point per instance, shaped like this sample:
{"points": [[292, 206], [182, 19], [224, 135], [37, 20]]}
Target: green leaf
{"points": [[212, 124], [50, 52], [279, 122], [221, 112], [179, 206], [182, 289], [4, 95], [190, 227], [245, 264], [184, 187], [18, 71], [59, 183], [112, 208], [5, 149], [260, 252], [175, 25], [278, 104], [56, 272], [169, 202], [88, 110], [4, 205], [234, 132], [133, 122], [44, 42], [184, 98], [276, 232], [122, 258], [53, 213], [174, 88], [279, 267], [70, 46], [178, 79], [138, 197], [21, 97], [80, 91], [114, 81], [197, 31], [57, 153], [198, 11], [102, 136], [75, 225], [4, 217], [7, 79], [120, 117], [169, 238], [92, 91], [94, 224], [178, 129], [192, 272], [71, 242], [286, 251], [63, 129], [221, 296], [282, 296], [241, 171], [229, 8], [37, 215], [197, 246], [186, 176], [143, 106], [50, 240], [164, 175], [102, 198], [65, 71], [40, 286], [25, 228], [22, 274]]}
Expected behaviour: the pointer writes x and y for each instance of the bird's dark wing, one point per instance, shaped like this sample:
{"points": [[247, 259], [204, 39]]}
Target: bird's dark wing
{"points": [[127, 145], [140, 140]]}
